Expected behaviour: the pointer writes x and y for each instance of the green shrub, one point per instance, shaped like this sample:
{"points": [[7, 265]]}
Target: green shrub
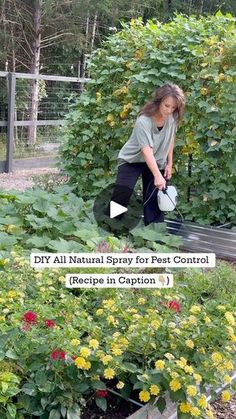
{"points": [[197, 54]]}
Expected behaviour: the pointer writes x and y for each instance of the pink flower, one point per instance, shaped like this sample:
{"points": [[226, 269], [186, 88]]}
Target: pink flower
{"points": [[102, 393], [49, 323], [174, 305], [26, 327], [104, 247], [56, 354], [30, 317], [125, 249]]}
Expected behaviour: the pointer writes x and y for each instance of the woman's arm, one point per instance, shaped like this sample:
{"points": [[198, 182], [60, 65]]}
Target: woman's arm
{"points": [[149, 158], [168, 168]]}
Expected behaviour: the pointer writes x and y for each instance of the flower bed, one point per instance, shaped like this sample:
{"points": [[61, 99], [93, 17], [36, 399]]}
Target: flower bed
{"points": [[59, 349]]}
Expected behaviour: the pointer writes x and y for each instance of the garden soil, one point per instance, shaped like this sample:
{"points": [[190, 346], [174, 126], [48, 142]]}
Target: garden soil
{"points": [[24, 179]]}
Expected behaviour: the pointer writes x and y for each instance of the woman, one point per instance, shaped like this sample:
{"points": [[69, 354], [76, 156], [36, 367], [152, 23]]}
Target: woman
{"points": [[149, 150]]}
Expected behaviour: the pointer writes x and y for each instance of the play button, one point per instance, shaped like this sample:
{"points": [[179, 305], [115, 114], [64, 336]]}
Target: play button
{"points": [[116, 209], [114, 217]]}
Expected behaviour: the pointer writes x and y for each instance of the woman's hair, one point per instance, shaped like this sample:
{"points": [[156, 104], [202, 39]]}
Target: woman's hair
{"points": [[168, 89]]}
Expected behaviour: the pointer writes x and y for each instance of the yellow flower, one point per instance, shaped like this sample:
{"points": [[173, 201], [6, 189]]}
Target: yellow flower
{"points": [[195, 411], [188, 369], [191, 391], [189, 343], [87, 365], [202, 402], [155, 324], [192, 320], [230, 318], [109, 373], [207, 319], [85, 352], [80, 362], [221, 307], [209, 414], [227, 379], [159, 364], [141, 301], [175, 385], [99, 312], [202, 350], [116, 351], [229, 366], [144, 396], [75, 342], [204, 91], [93, 343], [106, 359], [216, 357], [111, 320], [197, 378], [195, 309], [108, 303], [120, 385], [154, 390], [225, 396], [98, 97], [185, 407], [139, 54], [61, 279], [123, 341]]}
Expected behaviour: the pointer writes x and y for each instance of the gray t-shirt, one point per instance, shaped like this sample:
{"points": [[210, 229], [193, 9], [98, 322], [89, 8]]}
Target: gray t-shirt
{"points": [[145, 133]]}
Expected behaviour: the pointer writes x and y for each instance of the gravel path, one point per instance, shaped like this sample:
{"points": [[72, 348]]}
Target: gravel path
{"points": [[23, 179]]}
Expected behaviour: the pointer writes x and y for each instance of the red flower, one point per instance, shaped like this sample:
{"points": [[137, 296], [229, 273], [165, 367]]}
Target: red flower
{"points": [[174, 305], [56, 354], [30, 317], [102, 393], [49, 323]]}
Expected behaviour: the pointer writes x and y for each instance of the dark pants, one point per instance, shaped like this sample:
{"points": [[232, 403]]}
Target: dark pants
{"points": [[128, 174]]}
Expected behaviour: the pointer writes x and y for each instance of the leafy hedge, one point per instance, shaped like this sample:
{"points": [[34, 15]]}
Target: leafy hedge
{"points": [[197, 54]]}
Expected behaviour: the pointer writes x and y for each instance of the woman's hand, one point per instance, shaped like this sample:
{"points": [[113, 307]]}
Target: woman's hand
{"points": [[159, 182], [168, 171]]}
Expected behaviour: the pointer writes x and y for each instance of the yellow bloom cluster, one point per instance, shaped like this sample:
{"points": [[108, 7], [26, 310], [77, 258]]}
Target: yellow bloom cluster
{"points": [[216, 357], [195, 309], [154, 390], [106, 359], [126, 109], [144, 396], [75, 342], [121, 91], [111, 120], [202, 401], [189, 343], [81, 363], [175, 385], [185, 407], [230, 318], [155, 324], [109, 373], [85, 352], [225, 396], [141, 301], [159, 364], [94, 344], [191, 391]]}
